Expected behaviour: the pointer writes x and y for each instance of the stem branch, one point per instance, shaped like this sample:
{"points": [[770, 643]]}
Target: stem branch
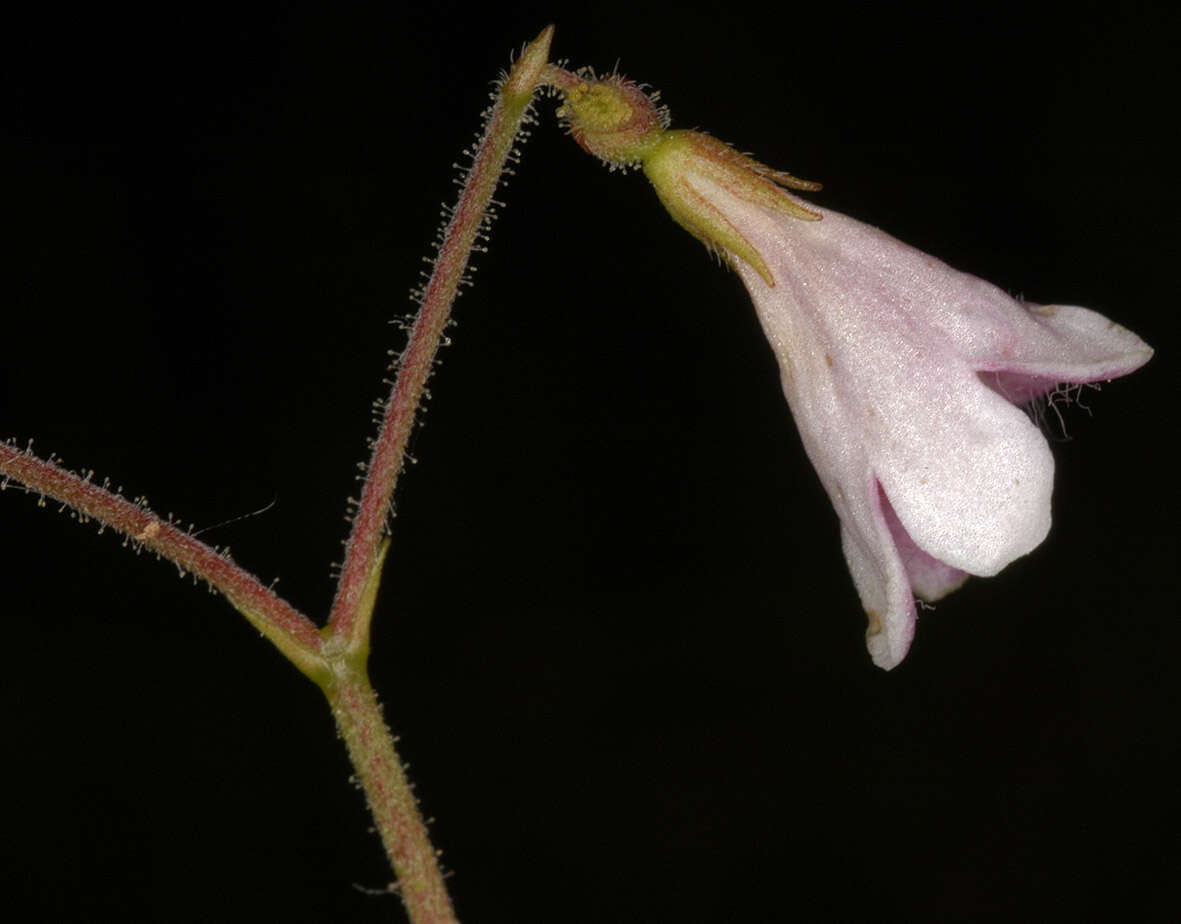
{"points": [[389, 450], [335, 658], [292, 632]]}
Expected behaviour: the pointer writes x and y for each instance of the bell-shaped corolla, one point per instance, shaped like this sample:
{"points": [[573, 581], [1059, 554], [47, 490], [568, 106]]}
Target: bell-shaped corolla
{"points": [[905, 378]]}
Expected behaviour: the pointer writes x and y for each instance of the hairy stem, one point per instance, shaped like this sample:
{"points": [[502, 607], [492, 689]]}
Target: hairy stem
{"points": [[369, 522], [293, 633], [335, 657], [559, 78], [391, 800]]}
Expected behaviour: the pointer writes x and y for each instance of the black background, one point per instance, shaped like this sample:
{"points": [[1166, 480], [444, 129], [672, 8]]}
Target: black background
{"points": [[617, 635]]}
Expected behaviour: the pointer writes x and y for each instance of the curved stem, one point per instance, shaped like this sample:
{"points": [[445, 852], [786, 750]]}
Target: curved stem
{"points": [[559, 78]]}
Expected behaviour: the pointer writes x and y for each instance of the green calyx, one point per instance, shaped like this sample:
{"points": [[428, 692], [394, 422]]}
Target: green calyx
{"points": [[616, 121], [613, 119], [683, 153]]}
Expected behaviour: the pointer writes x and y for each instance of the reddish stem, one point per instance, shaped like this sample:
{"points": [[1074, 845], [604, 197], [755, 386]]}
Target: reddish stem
{"points": [[335, 658], [389, 450], [559, 78], [294, 634]]}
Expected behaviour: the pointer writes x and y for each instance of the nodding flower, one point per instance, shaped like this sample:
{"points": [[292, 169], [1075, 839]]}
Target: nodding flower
{"points": [[905, 377]]}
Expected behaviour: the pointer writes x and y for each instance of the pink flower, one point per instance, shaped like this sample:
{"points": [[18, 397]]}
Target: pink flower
{"points": [[904, 376]]}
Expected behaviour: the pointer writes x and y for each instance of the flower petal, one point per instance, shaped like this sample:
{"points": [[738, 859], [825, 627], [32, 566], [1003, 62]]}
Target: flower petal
{"points": [[881, 580], [968, 474], [1046, 345], [869, 333], [930, 578], [904, 376]]}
